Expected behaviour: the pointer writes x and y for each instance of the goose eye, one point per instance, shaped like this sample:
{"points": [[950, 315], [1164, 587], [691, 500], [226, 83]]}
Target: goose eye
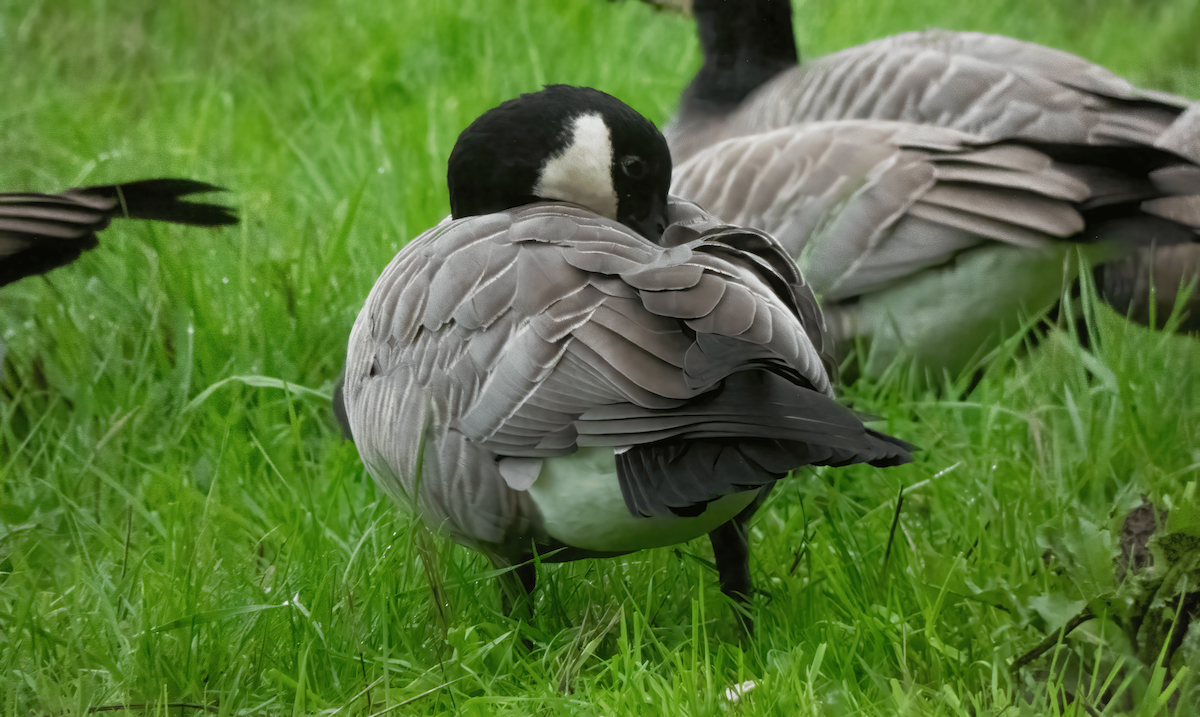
{"points": [[633, 167]]}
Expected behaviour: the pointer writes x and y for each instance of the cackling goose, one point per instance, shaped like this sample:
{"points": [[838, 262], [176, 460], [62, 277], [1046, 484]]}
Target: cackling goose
{"points": [[925, 182], [577, 365]]}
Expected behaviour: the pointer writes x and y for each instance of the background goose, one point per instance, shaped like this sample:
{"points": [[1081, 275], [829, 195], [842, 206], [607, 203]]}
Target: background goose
{"points": [[40, 232], [573, 362], [924, 236]]}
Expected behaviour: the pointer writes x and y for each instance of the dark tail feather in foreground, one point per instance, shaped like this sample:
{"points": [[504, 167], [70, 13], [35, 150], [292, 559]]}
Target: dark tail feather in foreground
{"points": [[40, 232], [750, 433]]}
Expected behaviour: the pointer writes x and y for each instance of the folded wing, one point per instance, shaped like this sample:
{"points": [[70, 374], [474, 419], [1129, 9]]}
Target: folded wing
{"points": [[861, 204]]}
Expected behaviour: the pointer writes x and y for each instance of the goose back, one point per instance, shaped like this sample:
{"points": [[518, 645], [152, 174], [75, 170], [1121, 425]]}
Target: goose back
{"points": [[991, 86]]}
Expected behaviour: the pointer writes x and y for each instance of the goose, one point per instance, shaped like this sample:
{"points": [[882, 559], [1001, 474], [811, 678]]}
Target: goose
{"points": [[930, 185], [574, 364], [40, 232]]}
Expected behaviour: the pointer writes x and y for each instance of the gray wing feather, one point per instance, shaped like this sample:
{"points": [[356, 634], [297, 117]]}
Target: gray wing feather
{"points": [[59, 222], [1177, 179], [1054, 184], [1185, 210], [1183, 136], [992, 86], [860, 204], [1008, 206]]}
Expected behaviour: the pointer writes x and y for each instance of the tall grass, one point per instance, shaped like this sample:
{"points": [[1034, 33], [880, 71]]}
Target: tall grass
{"points": [[162, 547]]}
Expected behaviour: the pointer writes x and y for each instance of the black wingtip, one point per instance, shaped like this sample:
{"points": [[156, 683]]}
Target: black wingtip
{"points": [[893, 451], [160, 200], [45, 231]]}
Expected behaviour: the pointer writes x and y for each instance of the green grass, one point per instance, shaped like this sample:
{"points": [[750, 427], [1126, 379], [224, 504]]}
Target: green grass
{"points": [[232, 552]]}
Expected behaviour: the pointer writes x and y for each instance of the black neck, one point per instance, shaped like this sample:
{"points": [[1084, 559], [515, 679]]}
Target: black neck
{"points": [[745, 43]]}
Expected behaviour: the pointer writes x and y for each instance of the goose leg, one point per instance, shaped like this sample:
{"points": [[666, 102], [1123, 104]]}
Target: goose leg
{"points": [[732, 552], [516, 593], [516, 588], [731, 549]]}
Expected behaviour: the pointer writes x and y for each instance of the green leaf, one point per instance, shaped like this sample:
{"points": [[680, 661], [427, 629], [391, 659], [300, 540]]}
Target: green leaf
{"points": [[14, 514], [1178, 546], [257, 382], [1184, 516], [1086, 552], [1056, 609], [213, 616]]}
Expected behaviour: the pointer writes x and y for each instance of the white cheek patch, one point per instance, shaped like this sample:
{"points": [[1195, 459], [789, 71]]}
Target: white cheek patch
{"points": [[582, 173]]}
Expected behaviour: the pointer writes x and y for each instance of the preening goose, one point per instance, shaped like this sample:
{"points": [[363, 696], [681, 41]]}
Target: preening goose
{"points": [[40, 232], [926, 182], [574, 362]]}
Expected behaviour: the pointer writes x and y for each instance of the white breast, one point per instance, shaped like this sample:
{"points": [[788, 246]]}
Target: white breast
{"points": [[581, 503]]}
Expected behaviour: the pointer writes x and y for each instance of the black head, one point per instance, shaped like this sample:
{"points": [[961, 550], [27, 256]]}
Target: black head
{"points": [[571, 144], [745, 43]]}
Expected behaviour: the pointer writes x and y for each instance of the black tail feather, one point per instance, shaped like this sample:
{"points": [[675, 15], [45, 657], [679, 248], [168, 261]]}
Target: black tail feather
{"points": [[159, 200], [751, 433], [40, 232]]}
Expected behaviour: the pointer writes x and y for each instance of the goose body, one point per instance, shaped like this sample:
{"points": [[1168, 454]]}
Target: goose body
{"points": [[931, 185], [923, 240], [40, 232], [544, 377], [518, 337]]}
